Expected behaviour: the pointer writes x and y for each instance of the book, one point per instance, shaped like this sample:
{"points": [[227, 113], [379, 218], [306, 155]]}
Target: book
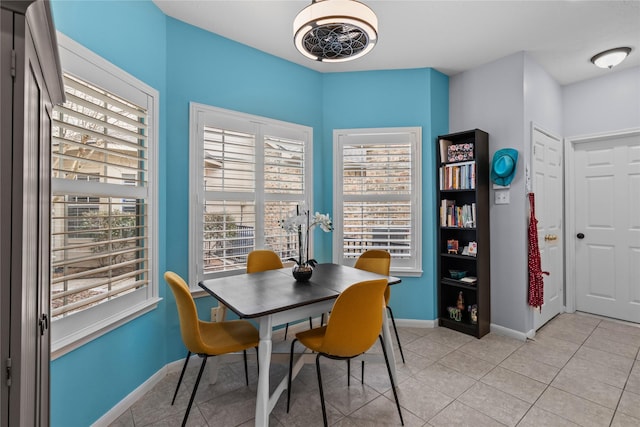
{"points": [[469, 279]]}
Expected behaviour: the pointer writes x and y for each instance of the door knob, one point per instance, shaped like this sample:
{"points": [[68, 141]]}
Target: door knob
{"points": [[580, 236]]}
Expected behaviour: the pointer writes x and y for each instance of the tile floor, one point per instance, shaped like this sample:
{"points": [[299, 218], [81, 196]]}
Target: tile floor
{"points": [[580, 370]]}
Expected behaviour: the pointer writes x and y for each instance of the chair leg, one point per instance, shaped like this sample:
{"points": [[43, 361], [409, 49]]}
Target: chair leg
{"points": [[324, 410], [348, 372], [362, 373], [321, 319], [195, 389], [286, 329], [246, 370], [393, 322], [393, 384], [258, 360], [290, 372], [184, 368], [311, 322]]}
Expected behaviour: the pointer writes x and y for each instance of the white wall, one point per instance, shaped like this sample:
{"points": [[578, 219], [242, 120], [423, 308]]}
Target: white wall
{"points": [[504, 98], [604, 104], [491, 98]]}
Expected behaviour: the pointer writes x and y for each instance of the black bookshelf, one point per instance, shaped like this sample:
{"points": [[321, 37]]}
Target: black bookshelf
{"points": [[463, 218]]}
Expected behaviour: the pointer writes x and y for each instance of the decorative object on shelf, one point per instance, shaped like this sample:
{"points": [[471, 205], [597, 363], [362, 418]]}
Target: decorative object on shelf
{"points": [[460, 303], [335, 30], [455, 314], [503, 166], [473, 248], [536, 281], [459, 152], [302, 224], [452, 246], [457, 274], [473, 313]]}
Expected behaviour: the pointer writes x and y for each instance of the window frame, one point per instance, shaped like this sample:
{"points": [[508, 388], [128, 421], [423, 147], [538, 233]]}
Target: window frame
{"points": [[400, 135], [201, 115], [75, 330]]}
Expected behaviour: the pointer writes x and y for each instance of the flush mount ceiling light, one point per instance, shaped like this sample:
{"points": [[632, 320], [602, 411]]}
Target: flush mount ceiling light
{"points": [[610, 58], [335, 30]]}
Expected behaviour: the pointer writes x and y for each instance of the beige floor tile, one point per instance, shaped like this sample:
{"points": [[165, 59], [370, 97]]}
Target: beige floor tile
{"points": [[450, 337], [458, 414], [496, 404], [520, 386], [379, 412], [467, 365], [524, 364], [445, 380], [622, 420], [583, 318], [617, 336], [624, 327], [421, 400], [604, 344], [633, 382], [598, 371], [630, 404], [537, 417], [545, 354], [623, 364], [492, 348], [588, 388], [556, 343], [569, 331], [574, 408], [429, 348]]}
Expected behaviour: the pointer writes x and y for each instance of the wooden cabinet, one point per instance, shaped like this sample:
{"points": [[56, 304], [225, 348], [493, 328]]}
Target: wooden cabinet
{"points": [[464, 279]]}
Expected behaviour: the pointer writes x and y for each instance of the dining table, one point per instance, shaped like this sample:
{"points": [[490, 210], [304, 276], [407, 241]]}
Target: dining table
{"points": [[273, 298]]}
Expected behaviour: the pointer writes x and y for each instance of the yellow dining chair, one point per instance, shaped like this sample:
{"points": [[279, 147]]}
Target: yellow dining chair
{"points": [[264, 260], [352, 329], [207, 339], [377, 261]]}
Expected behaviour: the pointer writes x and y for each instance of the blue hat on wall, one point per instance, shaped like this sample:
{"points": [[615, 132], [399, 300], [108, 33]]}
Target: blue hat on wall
{"points": [[503, 166]]}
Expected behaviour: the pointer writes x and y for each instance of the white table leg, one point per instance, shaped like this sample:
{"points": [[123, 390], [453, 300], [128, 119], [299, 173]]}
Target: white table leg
{"points": [[264, 353], [386, 336]]}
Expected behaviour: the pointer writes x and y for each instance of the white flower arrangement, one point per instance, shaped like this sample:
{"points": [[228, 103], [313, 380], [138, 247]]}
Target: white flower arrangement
{"points": [[303, 223]]}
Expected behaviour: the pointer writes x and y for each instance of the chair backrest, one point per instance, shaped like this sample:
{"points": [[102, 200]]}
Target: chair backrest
{"points": [[356, 319], [189, 323], [263, 260], [376, 261]]}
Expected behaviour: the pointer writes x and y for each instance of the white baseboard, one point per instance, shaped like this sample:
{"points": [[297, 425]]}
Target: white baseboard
{"points": [[413, 323], [511, 333], [121, 407]]}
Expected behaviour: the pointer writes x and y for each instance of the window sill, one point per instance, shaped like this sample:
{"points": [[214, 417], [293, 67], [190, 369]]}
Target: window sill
{"points": [[76, 340], [406, 273]]}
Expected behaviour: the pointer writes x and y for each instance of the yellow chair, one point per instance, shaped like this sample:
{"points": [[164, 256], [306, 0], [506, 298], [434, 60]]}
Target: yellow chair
{"points": [[354, 325], [207, 338], [377, 261], [264, 260]]}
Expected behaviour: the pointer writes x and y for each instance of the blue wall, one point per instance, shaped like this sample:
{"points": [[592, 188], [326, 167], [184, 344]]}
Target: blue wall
{"points": [[187, 64], [89, 381]]}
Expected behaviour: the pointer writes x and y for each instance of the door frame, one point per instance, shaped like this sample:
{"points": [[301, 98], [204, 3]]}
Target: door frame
{"points": [[529, 188], [570, 209]]}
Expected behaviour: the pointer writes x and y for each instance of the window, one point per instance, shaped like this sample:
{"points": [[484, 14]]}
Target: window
{"points": [[377, 196], [103, 175], [248, 173]]}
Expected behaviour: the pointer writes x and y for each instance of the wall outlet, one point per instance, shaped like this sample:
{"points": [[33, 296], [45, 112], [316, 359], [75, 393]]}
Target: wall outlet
{"points": [[501, 197]]}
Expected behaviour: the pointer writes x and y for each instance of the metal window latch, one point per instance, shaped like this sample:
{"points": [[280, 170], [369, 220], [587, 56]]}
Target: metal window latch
{"points": [[44, 323]]}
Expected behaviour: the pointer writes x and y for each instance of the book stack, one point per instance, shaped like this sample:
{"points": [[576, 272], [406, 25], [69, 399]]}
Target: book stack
{"points": [[457, 216], [458, 176]]}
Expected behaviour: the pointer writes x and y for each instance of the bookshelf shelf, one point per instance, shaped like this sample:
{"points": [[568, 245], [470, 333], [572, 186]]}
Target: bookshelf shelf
{"points": [[463, 195]]}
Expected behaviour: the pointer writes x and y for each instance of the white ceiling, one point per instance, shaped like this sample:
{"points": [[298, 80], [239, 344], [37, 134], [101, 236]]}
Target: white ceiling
{"points": [[450, 36]]}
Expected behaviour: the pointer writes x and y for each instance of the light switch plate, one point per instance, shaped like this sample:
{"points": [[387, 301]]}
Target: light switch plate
{"points": [[501, 197]]}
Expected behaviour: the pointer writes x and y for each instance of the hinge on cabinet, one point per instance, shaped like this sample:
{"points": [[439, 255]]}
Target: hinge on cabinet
{"points": [[13, 63], [8, 372]]}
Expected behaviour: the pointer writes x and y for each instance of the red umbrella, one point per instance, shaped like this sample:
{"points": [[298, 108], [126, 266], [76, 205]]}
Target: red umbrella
{"points": [[536, 282]]}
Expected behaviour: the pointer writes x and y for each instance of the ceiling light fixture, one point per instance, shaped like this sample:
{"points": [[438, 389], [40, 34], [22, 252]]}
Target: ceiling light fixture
{"points": [[610, 58], [335, 30]]}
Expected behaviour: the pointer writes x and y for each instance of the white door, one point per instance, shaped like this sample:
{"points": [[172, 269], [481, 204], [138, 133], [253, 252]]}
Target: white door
{"points": [[607, 226], [547, 187]]}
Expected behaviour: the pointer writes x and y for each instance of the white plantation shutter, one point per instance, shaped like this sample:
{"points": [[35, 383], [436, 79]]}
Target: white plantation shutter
{"points": [[377, 195], [99, 198], [248, 173]]}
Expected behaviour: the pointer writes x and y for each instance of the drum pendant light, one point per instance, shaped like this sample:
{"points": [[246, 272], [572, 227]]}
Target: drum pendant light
{"points": [[335, 30]]}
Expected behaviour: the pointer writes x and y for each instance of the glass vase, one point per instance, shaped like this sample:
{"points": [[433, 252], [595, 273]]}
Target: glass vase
{"points": [[302, 273]]}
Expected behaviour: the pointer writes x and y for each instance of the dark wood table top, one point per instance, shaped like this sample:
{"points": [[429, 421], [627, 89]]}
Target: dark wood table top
{"points": [[268, 292]]}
